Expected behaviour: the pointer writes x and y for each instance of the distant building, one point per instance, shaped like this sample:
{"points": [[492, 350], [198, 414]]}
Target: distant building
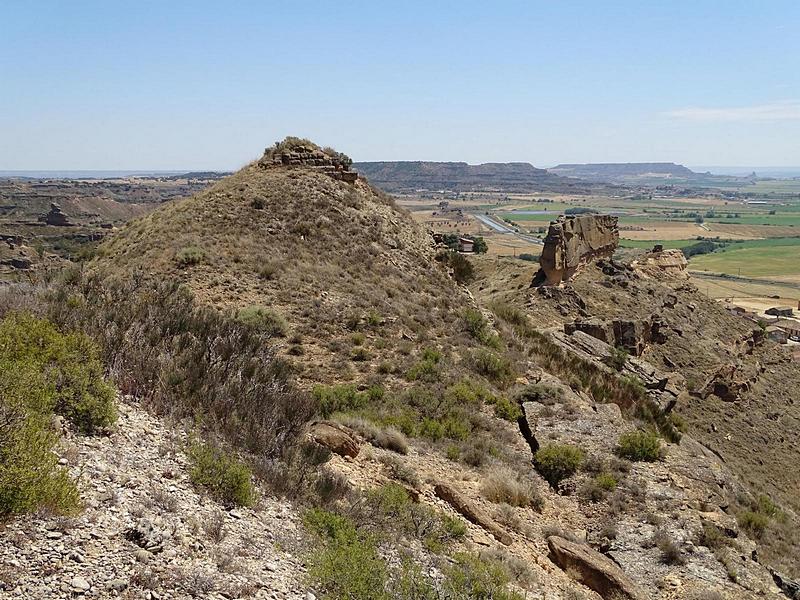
{"points": [[776, 334], [780, 311], [790, 326], [465, 244]]}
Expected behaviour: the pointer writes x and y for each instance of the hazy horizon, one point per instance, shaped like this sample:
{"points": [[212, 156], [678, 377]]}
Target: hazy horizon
{"points": [[97, 85]]}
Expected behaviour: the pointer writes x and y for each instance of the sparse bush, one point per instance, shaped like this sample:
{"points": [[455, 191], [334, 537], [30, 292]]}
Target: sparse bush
{"points": [[506, 409], [598, 487], [670, 551], [556, 462], [223, 474], [493, 366], [640, 446], [617, 358], [712, 537], [189, 255], [264, 320], [463, 271], [187, 359], [388, 438], [755, 523], [343, 398], [400, 470]]}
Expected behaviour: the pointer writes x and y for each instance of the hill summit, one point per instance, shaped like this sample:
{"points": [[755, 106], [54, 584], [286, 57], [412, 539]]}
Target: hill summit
{"points": [[297, 241]]}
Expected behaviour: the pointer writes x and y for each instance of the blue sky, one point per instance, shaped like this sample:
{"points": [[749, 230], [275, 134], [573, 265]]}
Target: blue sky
{"points": [[201, 84]]}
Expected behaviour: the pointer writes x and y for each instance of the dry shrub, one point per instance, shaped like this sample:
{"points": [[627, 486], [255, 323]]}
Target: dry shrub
{"points": [[187, 359]]}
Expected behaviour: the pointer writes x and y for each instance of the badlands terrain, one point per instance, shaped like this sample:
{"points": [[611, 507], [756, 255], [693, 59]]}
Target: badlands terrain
{"points": [[280, 384]]}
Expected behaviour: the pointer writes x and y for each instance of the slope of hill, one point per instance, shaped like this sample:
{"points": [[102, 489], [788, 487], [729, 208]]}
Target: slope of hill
{"points": [[409, 176]]}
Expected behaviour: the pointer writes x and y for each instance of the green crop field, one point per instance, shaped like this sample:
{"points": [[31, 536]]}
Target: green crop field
{"points": [[779, 258]]}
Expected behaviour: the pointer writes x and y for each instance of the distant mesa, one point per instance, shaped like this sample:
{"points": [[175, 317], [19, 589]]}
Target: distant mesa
{"points": [[573, 242], [411, 176], [612, 171]]}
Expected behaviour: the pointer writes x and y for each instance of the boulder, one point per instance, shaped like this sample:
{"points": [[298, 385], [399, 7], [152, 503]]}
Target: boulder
{"points": [[472, 513], [335, 437], [55, 217], [662, 264], [575, 241], [597, 572]]}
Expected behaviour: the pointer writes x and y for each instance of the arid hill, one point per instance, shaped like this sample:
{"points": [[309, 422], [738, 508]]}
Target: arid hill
{"points": [[349, 279]]}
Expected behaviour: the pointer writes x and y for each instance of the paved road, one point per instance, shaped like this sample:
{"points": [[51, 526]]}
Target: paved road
{"points": [[501, 227]]}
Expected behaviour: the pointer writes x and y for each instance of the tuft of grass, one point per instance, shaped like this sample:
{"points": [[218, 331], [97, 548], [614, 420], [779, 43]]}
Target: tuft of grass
{"points": [[222, 474], [640, 446], [556, 462], [505, 488]]}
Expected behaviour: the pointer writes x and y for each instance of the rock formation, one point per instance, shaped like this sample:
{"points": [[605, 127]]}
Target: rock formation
{"points": [[55, 217], [471, 512], [335, 437], [631, 334], [333, 164], [596, 571], [572, 242], [662, 264]]}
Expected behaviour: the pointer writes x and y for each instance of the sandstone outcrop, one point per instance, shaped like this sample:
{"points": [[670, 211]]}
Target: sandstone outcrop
{"points": [[662, 264], [333, 164], [335, 437], [572, 242], [55, 216], [631, 334], [596, 571], [471, 512]]}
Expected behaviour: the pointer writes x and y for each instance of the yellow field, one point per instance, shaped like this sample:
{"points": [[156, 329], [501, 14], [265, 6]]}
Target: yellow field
{"points": [[664, 230]]}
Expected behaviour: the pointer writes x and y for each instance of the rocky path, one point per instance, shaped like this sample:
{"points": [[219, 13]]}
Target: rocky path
{"points": [[146, 532]]}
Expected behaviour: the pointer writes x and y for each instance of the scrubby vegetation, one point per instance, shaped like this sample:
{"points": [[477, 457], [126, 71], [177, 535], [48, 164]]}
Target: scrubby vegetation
{"points": [[44, 372], [187, 359], [556, 462], [351, 567], [264, 319], [640, 446], [225, 476]]}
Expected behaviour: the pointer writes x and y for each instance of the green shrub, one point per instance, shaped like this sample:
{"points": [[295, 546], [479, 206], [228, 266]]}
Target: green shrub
{"points": [[506, 409], [471, 577], [606, 481], [71, 365], [493, 366], [463, 271], [223, 474], [348, 567], [599, 486], [640, 446], [264, 320], [343, 398], [30, 477], [190, 255], [617, 358], [558, 461], [427, 368], [755, 523]]}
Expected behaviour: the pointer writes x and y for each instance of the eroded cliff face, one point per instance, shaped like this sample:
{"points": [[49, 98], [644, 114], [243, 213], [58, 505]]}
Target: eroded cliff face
{"points": [[572, 242]]}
